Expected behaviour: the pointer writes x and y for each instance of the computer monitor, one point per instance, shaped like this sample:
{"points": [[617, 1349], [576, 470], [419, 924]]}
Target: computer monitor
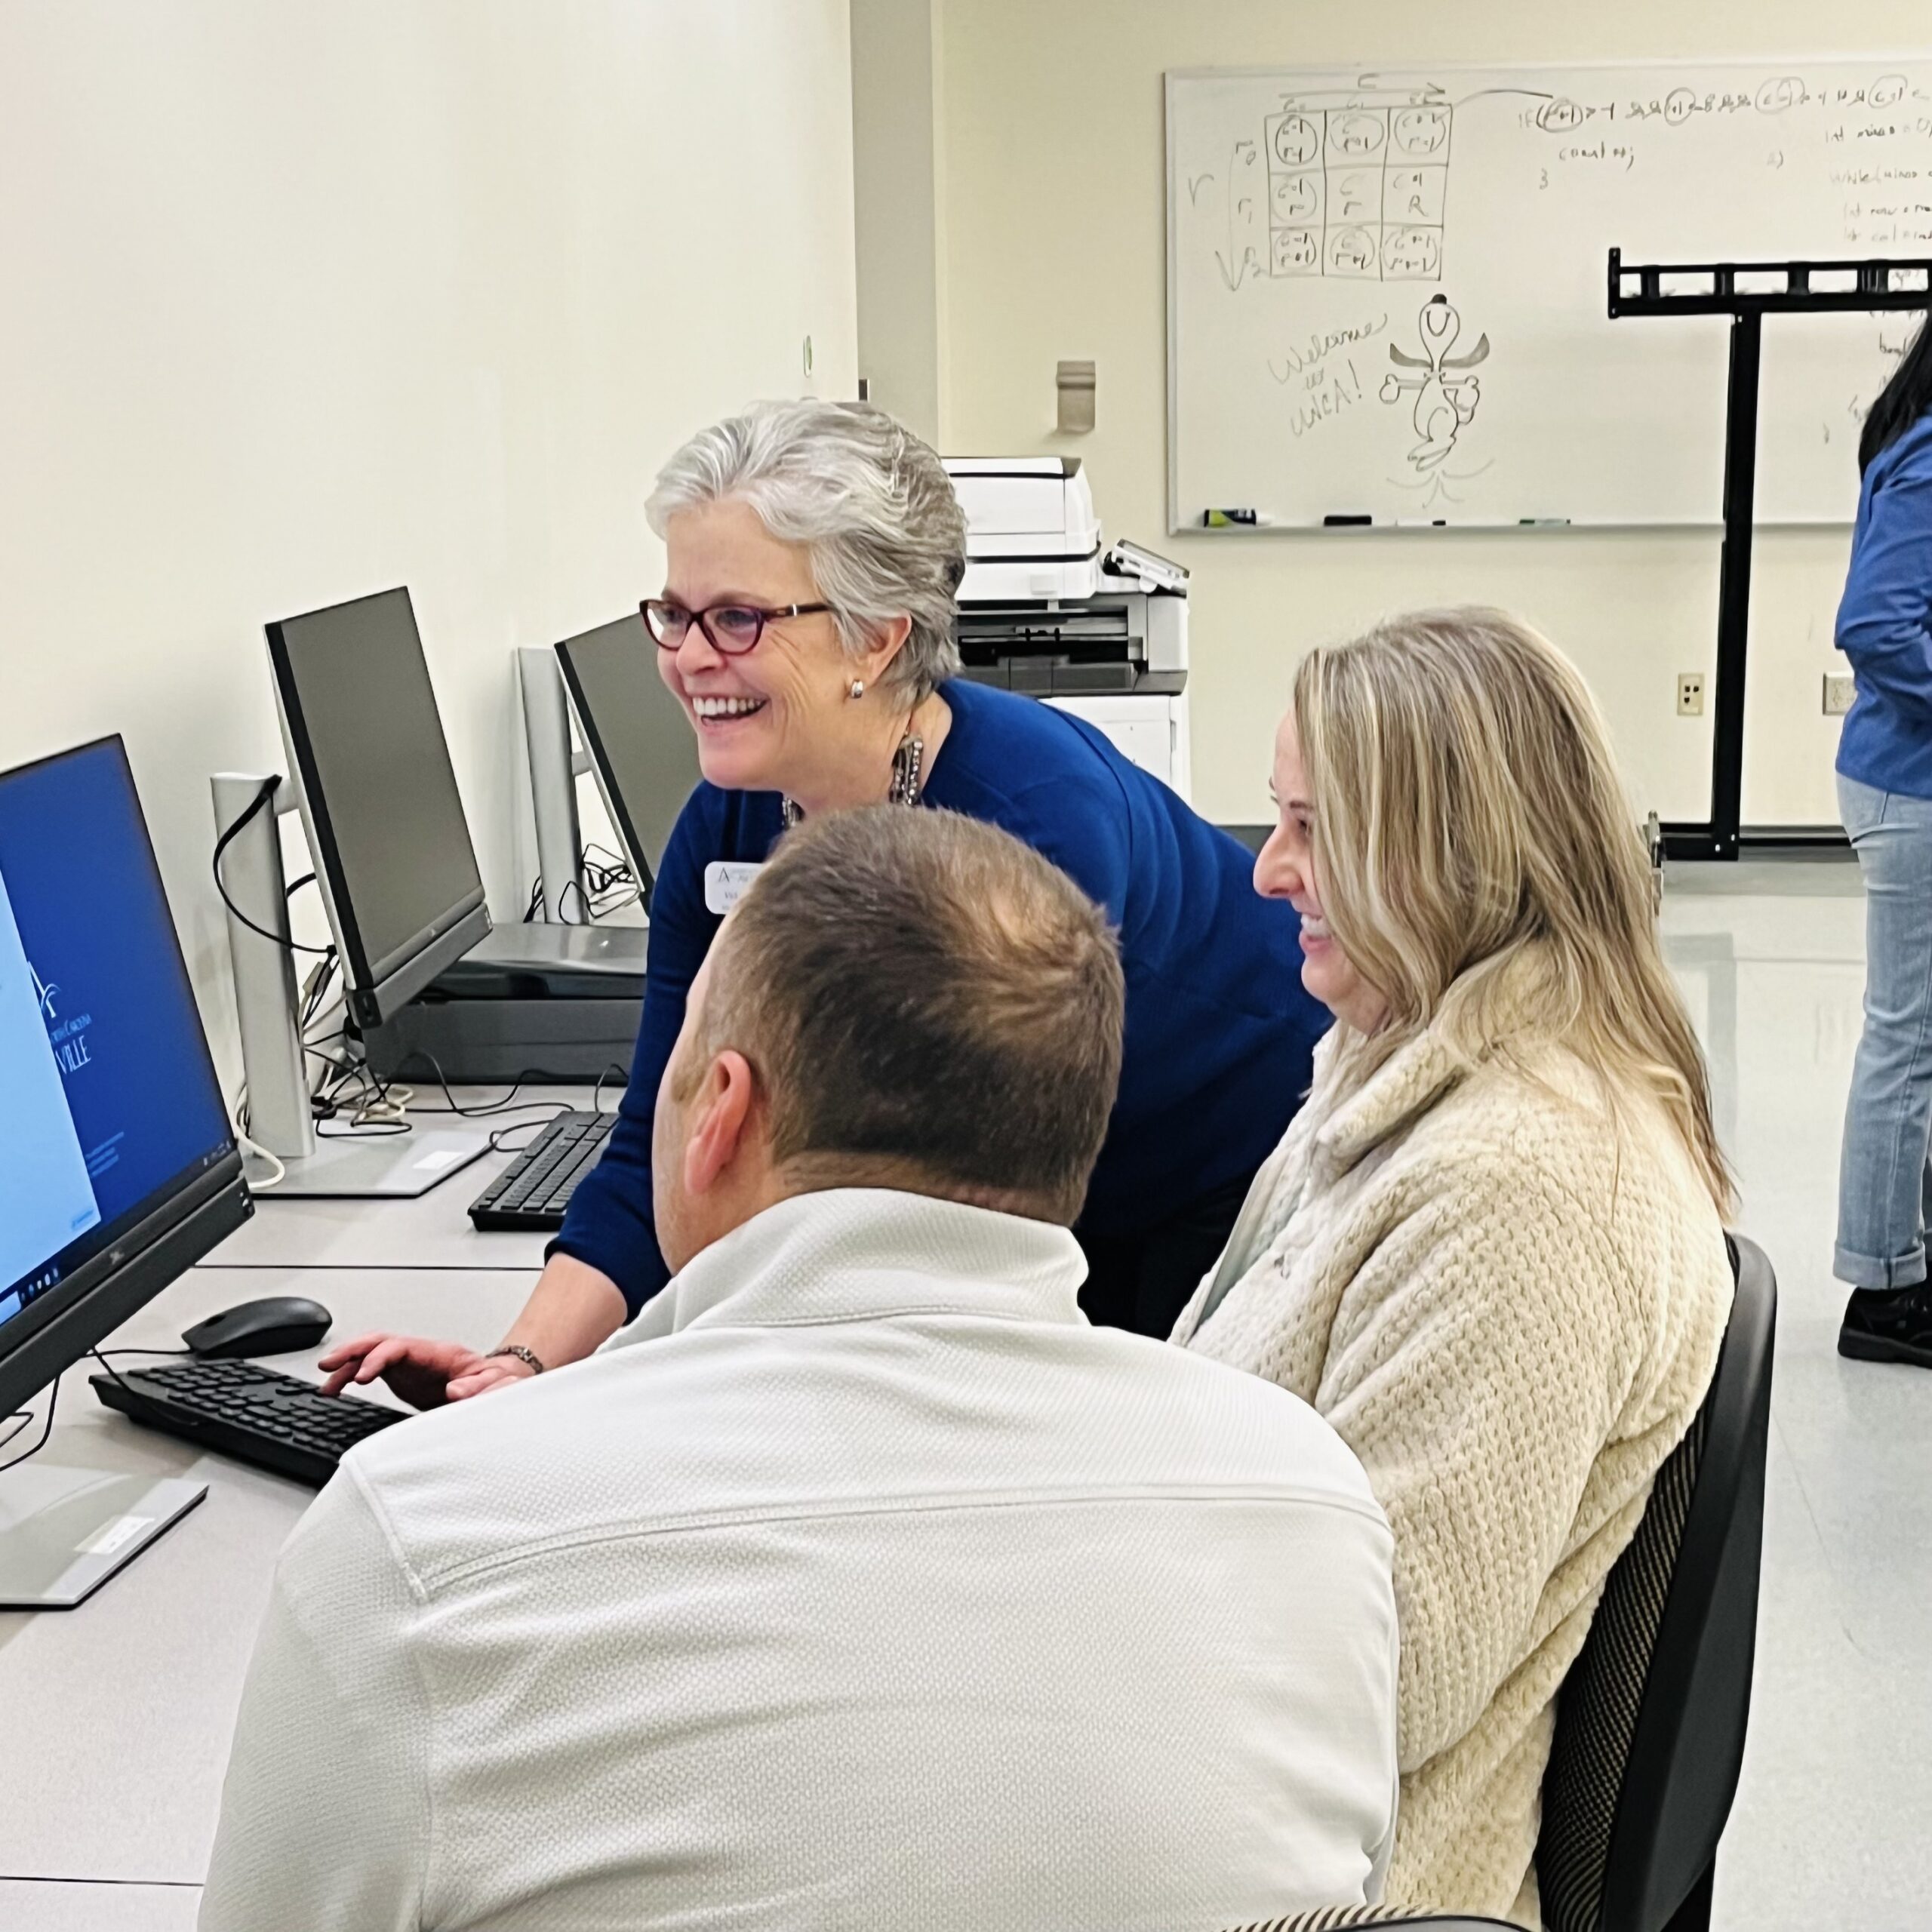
{"points": [[642, 746], [118, 1169], [379, 799]]}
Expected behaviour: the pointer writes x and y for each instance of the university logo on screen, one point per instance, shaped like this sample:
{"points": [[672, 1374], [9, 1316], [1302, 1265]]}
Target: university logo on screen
{"points": [[68, 1038]]}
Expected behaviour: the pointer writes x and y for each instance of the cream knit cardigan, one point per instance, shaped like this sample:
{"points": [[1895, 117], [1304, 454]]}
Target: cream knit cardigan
{"points": [[1509, 1304]]}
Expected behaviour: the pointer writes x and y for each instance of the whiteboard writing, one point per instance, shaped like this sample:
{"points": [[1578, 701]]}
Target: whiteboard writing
{"points": [[1386, 291], [1358, 191]]}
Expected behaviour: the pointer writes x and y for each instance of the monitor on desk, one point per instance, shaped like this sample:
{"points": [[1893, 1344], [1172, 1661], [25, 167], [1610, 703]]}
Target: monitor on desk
{"points": [[385, 825], [642, 746], [118, 1169]]}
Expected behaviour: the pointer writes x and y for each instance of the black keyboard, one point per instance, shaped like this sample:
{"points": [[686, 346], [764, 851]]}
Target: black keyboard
{"points": [[532, 1192], [255, 1414]]}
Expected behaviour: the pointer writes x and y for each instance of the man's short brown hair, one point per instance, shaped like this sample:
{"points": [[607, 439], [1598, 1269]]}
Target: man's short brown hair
{"points": [[925, 1001]]}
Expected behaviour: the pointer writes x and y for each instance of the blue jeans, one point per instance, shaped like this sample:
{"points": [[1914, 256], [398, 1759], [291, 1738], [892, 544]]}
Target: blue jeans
{"points": [[1884, 1188]]}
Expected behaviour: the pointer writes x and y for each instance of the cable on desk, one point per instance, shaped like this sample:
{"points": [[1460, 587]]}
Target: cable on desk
{"points": [[46, 1430], [107, 1364], [105, 1357], [613, 887], [498, 1144], [507, 1104], [261, 1153], [360, 1128], [376, 1106]]}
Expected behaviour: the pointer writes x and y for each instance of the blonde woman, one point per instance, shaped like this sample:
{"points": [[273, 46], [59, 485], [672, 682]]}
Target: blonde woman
{"points": [[1490, 1249]]}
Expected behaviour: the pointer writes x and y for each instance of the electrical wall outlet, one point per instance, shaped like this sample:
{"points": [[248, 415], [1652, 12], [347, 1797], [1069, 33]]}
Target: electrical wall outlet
{"points": [[1690, 694], [1839, 692]]}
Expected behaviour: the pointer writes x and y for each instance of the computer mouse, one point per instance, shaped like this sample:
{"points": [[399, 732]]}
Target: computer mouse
{"points": [[276, 1325]]}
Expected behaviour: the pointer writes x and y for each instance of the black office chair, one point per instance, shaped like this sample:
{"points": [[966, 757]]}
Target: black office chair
{"points": [[1650, 1725]]}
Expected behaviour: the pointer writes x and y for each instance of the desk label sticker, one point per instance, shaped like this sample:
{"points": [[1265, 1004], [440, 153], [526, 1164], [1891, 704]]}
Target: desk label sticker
{"points": [[116, 1536]]}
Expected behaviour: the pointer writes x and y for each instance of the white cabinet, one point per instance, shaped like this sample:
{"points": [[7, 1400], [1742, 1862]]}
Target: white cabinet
{"points": [[1152, 732]]}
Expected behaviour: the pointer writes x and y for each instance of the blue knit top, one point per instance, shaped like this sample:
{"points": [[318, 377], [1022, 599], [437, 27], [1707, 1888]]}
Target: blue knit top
{"points": [[1219, 1030]]}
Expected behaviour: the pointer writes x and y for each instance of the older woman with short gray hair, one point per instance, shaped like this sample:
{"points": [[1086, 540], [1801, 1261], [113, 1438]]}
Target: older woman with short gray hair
{"points": [[883, 534], [806, 626]]}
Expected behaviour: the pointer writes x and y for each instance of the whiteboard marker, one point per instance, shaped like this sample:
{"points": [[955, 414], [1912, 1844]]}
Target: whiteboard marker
{"points": [[1345, 522], [1235, 519], [1542, 523]]}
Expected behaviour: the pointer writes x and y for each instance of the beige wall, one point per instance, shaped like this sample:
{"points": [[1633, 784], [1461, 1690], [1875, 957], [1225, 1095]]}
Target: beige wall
{"points": [[302, 302], [1053, 220], [895, 197]]}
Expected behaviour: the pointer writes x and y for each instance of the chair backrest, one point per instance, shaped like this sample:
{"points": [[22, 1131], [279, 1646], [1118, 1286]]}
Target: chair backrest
{"points": [[1345, 1917], [1650, 1726]]}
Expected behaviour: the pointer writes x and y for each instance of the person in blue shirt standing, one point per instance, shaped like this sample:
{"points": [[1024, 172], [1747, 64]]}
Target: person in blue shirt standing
{"points": [[1885, 779], [813, 549]]}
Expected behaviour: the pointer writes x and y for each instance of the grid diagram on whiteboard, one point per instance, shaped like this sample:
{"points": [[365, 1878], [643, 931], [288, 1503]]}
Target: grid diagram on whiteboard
{"points": [[1358, 191]]}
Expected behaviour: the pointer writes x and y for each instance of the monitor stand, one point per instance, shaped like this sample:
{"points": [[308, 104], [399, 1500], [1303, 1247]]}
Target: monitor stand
{"points": [[369, 1166], [63, 1532], [363, 1166]]}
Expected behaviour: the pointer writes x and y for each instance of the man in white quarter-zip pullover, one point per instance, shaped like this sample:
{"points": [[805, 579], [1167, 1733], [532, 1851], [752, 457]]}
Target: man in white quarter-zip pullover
{"points": [[859, 1582]]}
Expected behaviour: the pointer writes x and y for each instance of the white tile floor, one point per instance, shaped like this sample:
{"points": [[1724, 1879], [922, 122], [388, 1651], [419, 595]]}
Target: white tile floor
{"points": [[1828, 1829]]}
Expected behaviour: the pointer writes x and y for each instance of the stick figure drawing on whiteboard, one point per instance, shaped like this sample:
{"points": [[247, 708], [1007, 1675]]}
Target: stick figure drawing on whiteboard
{"points": [[1446, 396]]}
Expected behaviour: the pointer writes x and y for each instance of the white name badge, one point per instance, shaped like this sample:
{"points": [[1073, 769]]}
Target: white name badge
{"points": [[725, 883]]}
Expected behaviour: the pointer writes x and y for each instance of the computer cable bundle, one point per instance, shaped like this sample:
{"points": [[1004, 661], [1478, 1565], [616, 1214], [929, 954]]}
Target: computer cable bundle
{"points": [[348, 1099], [374, 1107], [613, 887]]}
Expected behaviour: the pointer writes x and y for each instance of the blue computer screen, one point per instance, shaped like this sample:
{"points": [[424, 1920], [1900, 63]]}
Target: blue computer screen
{"points": [[108, 1098]]}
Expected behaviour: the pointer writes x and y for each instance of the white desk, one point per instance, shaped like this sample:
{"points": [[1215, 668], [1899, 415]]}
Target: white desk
{"points": [[433, 1231], [118, 1714], [26, 1906]]}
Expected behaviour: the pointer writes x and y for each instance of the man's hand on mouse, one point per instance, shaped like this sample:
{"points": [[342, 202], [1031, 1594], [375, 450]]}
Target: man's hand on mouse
{"points": [[425, 1372]]}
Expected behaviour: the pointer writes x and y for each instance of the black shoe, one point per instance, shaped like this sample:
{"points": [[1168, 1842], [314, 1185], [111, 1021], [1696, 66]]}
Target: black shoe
{"points": [[1888, 1324]]}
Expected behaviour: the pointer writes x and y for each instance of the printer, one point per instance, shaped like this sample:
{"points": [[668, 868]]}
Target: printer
{"points": [[1048, 608]]}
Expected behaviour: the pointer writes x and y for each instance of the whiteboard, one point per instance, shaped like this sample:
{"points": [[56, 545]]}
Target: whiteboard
{"points": [[1386, 292]]}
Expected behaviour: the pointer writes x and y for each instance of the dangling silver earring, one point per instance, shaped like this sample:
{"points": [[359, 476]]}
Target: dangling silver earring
{"points": [[858, 687]]}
